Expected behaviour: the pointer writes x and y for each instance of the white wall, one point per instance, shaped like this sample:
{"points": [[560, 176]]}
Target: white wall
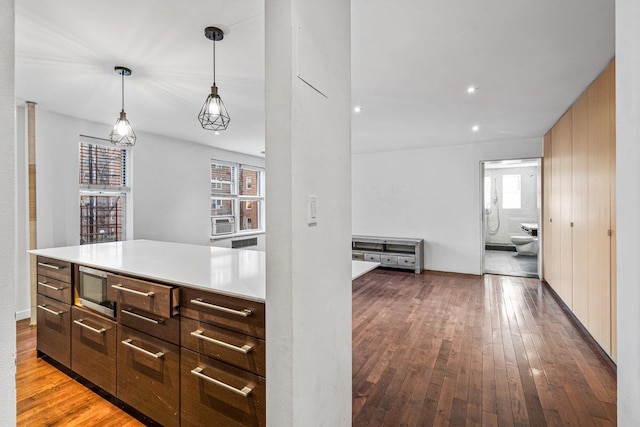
{"points": [[169, 180], [430, 193], [628, 207], [172, 187], [308, 267], [7, 214], [510, 219]]}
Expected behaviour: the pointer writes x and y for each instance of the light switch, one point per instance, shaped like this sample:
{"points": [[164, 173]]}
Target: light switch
{"points": [[312, 210]]}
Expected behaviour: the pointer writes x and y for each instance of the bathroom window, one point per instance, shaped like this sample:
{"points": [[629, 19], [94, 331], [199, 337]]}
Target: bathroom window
{"points": [[511, 192], [487, 192]]}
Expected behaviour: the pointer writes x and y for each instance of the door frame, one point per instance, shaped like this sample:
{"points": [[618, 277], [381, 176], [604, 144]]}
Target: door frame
{"points": [[539, 199]]}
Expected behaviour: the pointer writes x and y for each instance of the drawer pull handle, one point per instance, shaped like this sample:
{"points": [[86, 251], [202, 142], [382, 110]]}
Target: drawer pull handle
{"points": [[246, 391], [92, 329], [46, 285], [128, 343], [48, 310], [132, 291], [244, 349], [244, 313], [51, 266], [140, 316]]}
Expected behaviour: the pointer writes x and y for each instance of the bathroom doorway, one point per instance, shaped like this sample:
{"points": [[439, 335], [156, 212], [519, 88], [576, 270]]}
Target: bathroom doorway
{"points": [[511, 208]]}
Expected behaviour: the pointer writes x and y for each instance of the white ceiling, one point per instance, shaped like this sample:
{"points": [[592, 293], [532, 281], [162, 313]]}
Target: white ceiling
{"points": [[412, 62]]}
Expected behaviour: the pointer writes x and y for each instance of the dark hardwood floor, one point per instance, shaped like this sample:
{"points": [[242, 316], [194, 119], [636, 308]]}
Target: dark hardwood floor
{"points": [[430, 349], [459, 350]]}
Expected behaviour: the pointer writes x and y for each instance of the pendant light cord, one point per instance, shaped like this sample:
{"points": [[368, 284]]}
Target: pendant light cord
{"points": [[122, 74], [214, 62]]}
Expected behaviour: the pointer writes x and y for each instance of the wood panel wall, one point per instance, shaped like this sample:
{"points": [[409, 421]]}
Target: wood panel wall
{"points": [[579, 223]]}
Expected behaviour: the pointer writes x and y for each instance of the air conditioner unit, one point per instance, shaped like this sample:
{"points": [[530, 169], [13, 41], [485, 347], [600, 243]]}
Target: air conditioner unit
{"points": [[222, 225]]}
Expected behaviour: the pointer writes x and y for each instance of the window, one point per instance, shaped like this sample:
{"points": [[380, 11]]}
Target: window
{"points": [[511, 196], [487, 192], [237, 198], [103, 190]]}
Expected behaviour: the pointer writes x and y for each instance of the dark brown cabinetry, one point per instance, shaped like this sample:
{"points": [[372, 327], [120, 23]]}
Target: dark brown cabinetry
{"points": [[93, 343], [223, 360], [54, 335], [180, 356], [217, 394], [149, 376], [54, 309]]}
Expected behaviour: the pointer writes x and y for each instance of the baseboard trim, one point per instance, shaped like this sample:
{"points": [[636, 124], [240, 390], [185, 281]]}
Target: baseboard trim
{"points": [[605, 359], [23, 314]]}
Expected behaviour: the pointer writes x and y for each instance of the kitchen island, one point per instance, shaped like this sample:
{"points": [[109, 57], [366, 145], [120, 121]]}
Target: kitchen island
{"points": [[185, 344]]}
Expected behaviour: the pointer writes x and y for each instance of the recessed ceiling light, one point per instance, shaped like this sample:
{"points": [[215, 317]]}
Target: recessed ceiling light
{"points": [[475, 128], [216, 133], [471, 89], [357, 109]]}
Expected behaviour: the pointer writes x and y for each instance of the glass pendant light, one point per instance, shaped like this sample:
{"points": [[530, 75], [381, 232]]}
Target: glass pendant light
{"points": [[122, 133], [213, 115]]}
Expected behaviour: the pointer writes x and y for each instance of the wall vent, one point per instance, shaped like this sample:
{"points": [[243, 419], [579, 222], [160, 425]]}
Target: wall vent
{"points": [[244, 243]]}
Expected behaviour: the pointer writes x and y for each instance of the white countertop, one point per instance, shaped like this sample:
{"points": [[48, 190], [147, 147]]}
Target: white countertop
{"points": [[234, 272], [359, 268]]}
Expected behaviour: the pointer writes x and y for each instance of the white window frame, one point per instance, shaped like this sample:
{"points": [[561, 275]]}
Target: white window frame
{"points": [[237, 198], [123, 190], [511, 191]]}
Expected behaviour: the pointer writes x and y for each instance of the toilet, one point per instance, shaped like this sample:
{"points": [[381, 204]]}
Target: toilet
{"points": [[525, 245]]}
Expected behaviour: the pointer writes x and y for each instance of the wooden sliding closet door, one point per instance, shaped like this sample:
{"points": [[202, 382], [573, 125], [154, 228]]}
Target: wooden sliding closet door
{"points": [[548, 262], [562, 201], [599, 210], [579, 117], [612, 185]]}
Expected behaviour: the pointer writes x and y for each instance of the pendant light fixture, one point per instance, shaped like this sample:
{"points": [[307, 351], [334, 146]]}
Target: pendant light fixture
{"points": [[122, 133], [213, 115]]}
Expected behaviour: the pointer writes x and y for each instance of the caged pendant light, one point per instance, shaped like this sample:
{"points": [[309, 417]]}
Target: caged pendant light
{"points": [[213, 115], [122, 133]]}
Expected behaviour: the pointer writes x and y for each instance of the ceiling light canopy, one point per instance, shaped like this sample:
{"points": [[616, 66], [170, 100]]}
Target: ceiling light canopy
{"points": [[122, 133], [213, 114], [357, 109], [475, 128], [471, 89]]}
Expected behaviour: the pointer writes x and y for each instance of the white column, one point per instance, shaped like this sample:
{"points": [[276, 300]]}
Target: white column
{"points": [[628, 208], [308, 153], [7, 214]]}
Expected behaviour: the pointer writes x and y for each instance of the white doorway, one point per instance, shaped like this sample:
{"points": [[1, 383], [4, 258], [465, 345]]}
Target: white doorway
{"points": [[511, 212]]}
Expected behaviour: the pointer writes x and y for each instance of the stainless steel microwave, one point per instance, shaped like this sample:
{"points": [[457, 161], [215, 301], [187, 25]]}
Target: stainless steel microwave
{"points": [[92, 291]]}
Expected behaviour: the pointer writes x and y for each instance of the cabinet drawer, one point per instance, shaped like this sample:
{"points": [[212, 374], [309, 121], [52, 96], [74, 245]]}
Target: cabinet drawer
{"points": [[54, 329], [357, 255], [54, 269], [93, 344], [389, 260], [54, 288], [149, 375], [164, 328], [372, 257], [228, 312], [237, 349], [148, 296], [407, 260], [217, 394]]}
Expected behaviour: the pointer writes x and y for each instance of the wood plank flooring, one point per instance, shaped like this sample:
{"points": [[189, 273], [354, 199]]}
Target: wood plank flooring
{"points": [[48, 397], [430, 349], [460, 350]]}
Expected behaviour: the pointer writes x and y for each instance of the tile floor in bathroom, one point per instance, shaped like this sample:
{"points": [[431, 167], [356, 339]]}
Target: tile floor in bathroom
{"points": [[510, 264]]}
